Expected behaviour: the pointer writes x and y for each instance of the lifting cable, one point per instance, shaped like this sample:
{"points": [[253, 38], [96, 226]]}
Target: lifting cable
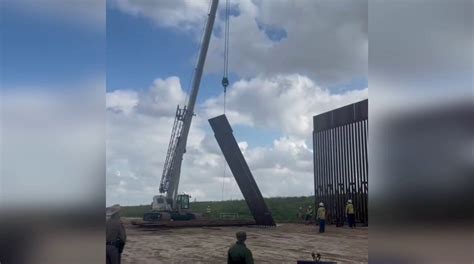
{"points": [[225, 77]]}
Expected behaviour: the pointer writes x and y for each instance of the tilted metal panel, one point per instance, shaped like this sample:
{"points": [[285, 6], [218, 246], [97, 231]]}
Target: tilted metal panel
{"points": [[244, 178]]}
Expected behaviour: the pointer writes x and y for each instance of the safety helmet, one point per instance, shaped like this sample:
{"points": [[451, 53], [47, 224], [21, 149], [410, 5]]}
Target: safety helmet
{"points": [[349, 201], [321, 204]]}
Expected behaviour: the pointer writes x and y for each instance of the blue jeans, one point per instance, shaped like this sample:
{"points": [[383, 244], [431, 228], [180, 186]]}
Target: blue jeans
{"points": [[322, 224]]}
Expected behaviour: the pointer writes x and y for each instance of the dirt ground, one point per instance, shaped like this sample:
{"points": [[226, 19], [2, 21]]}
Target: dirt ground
{"points": [[285, 243]]}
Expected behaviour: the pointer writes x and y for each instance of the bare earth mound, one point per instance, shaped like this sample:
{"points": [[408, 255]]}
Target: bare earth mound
{"points": [[284, 244]]}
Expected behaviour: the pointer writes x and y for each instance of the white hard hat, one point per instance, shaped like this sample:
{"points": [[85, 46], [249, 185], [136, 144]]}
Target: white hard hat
{"points": [[321, 204], [349, 201]]}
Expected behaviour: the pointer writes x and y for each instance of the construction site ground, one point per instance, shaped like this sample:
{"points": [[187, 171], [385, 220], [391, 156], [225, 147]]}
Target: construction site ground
{"points": [[285, 243]]}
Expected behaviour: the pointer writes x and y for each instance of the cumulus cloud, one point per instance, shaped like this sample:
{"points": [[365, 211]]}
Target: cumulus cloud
{"points": [[121, 100], [182, 14], [283, 102], [324, 40], [162, 97], [137, 140]]}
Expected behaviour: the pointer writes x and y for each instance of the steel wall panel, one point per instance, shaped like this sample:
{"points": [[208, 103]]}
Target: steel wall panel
{"points": [[242, 174], [340, 160], [341, 116]]}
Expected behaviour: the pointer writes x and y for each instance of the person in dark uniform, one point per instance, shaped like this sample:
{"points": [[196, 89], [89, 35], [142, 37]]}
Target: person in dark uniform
{"points": [[115, 235], [239, 253]]}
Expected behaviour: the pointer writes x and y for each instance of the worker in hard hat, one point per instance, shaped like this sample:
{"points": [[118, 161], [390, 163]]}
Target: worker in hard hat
{"points": [[321, 217], [350, 214], [239, 253], [309, 213], [115, 235]]}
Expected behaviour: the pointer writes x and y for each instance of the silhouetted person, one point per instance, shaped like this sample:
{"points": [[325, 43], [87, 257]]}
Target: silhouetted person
{"points": [[300, 214], [239, 253], [309, 213], [115, 235]]}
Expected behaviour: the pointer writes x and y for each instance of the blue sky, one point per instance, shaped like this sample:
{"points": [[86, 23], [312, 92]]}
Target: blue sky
{"points": [[39, 51], [138, 51]]}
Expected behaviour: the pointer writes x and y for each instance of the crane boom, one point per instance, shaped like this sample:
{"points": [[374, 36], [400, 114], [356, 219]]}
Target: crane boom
{"points": [[177, 147]]}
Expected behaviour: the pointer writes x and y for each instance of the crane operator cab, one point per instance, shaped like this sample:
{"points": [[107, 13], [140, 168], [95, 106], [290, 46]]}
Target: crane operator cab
{"points": [[183, 201], [162, 209]]}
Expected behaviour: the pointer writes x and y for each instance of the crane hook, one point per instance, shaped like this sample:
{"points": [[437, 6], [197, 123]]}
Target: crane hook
{"points": [[225, 83]]}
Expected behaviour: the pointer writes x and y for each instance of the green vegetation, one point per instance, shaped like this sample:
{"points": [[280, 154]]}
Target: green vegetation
{"points": [[134, 211], [284, 209]]}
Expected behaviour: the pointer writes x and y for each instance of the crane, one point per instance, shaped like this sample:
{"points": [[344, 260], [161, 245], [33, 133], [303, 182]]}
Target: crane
{"points": [[169, 204]]}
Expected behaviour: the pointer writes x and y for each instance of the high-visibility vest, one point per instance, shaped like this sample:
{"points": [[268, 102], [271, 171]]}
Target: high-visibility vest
{"points": [[322, 213], [349, 209]]}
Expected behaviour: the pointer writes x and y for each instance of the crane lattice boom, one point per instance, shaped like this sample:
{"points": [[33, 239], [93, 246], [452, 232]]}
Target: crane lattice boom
{"points": [[179, 135]]}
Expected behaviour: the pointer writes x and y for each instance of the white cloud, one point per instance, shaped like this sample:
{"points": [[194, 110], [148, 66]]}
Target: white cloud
{"points": [[283, 102], [163, 97], [243, 145], [137, 141], [325, 40], [122, 100], [182, 14]]}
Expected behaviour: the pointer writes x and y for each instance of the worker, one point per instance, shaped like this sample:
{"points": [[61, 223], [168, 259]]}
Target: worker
{"points": [[300, 214], [239, 253], [350, 214], [321, 216], [208, 211], [115, 235], [309, 213]]}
